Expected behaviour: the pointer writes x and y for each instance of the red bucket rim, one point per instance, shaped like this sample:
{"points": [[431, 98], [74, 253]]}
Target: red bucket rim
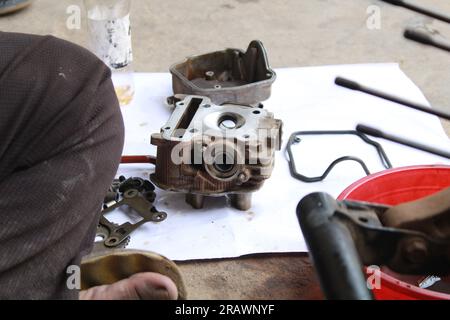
{"points": [[411, 290], [344, 194]]}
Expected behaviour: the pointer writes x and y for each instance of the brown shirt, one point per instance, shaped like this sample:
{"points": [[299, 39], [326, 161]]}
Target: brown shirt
{"points": [[61, 138]]}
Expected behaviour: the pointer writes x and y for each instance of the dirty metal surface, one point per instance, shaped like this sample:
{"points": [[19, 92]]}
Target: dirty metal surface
{"points": [[231, 75], [216, 150]]}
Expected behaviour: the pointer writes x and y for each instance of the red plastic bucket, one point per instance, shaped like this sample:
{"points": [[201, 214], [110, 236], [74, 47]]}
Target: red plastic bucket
{"points": [[393, 187]]}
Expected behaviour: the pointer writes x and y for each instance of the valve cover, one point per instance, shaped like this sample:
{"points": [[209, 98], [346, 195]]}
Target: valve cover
{"points": [[231, 75]]}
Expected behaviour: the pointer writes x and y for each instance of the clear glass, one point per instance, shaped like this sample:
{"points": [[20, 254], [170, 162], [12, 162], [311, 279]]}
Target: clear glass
{"points": [[109, 30]]}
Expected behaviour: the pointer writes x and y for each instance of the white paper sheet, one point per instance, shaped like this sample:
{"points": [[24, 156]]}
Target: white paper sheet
{"points": [[305, 99]]}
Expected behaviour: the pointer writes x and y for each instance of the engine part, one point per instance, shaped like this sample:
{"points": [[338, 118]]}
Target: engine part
{"points": [[138, 184], [296, 138], [137, 201], [412, 238], [228, 76], [211, 150], [104, 230], [139, 195], [107, 268]]}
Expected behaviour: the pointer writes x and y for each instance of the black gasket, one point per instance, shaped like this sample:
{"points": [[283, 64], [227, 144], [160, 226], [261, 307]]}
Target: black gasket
{"points": [[295, 138]]}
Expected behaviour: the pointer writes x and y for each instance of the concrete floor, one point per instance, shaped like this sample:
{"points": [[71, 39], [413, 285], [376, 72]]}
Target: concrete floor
{"points": [[295, 33]]}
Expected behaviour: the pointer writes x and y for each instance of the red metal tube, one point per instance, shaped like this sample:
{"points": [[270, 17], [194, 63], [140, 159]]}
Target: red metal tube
{"points": [[138, 159]]}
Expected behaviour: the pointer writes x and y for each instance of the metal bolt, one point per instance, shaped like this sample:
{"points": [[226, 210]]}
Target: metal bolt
{"points": [[209, 75], [415, 250], [242, 177]]}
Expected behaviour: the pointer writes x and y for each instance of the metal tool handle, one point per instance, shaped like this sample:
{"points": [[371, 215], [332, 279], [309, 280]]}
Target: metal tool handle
{"points": [[426, 38], [428, 11], [332, 249]]}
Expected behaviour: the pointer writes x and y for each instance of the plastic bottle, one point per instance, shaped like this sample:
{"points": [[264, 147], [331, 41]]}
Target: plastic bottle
{"points": [[109, 29]]}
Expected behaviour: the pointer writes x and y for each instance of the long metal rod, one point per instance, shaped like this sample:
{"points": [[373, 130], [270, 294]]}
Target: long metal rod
{"points": [[353, 85], [380, 134], [425, 38], [430, 12]]}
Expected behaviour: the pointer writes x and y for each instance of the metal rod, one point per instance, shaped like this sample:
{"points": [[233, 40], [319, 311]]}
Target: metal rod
{"points": [[425, 38], [353, 85], [380, 134], [430, 12], [138, 159]]}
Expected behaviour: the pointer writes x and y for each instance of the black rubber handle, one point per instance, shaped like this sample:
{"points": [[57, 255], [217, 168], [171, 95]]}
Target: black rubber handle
{"points": [[332, 249]]}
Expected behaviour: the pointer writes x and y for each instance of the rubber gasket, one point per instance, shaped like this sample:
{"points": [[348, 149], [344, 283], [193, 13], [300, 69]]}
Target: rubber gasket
{"points": [[295, 139]]}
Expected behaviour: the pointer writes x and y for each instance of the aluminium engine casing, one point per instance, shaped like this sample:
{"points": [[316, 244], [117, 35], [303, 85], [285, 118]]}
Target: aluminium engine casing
{"points": [[216, 150]]}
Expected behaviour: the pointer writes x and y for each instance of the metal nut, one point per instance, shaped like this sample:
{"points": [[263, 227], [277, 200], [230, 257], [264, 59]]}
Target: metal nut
{"points": [[415, 250]]}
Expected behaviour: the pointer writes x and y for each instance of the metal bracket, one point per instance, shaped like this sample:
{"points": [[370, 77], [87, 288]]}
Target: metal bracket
{"points": [[135, 193], [135, 200]]}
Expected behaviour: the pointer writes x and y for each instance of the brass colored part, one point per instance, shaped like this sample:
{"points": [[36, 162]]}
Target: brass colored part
{"points": [[137, 201], [104, 232], [106, 269]]}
